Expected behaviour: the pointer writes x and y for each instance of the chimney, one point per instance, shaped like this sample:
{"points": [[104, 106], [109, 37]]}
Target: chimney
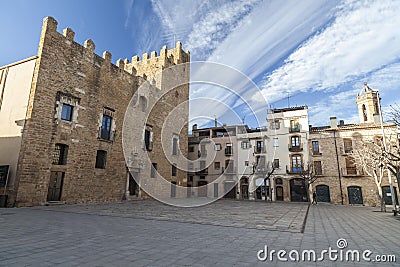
{"points": [[341, 122], [215, 122], [333, 122], [194, 127], [377, 118]]}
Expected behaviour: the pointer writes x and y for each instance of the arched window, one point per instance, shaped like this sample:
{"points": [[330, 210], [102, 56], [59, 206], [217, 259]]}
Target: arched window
{"points": [[364, 111]]}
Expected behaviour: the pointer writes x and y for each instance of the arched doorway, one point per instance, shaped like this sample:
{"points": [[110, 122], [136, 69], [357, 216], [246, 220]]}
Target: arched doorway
{"points": [[298, 190], [244, 188], [202, 188], [279, 189], [355, 195], [323, 194]]}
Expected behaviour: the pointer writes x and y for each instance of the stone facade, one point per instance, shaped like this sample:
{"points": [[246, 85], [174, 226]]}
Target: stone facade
{"points": [[71, 80], [342, 180], [213, 166]]}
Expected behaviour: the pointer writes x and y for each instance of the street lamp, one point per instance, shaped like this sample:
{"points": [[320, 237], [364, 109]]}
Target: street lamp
{"points": [[386, 158]]}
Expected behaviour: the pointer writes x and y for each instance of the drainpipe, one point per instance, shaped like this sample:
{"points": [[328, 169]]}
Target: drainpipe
{"points": [[338, 166]]}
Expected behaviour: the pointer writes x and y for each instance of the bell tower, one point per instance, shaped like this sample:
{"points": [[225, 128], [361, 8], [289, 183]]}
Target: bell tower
{"points": [[368, 105]]}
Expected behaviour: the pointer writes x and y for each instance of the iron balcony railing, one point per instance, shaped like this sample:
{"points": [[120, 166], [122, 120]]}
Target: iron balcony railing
{"points": [[352, 172], [294, 170]]}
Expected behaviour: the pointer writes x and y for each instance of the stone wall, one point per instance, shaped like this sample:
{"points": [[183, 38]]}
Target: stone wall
{"points": [[68, 70]]}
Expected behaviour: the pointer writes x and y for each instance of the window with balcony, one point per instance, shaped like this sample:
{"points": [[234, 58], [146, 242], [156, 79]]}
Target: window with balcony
{"points": [[296, 161], [259, 147], [295, 145], [228, 149]]}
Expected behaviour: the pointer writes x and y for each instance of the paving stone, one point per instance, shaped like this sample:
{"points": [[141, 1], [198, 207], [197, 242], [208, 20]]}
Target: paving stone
{"points": [[89, 235]]}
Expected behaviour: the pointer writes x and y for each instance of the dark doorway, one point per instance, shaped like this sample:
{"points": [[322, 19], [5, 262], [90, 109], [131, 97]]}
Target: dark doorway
{"points": [[202, 188], [55, 186], [355, 195], [230, 190], [298, 191], [244, 188], [323, 194], [258, 193], [387, 197], [133, 185], [279, 193]]}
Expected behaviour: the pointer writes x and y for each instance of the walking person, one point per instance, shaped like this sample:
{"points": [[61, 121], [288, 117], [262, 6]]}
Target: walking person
{"points": [[314, 198]]}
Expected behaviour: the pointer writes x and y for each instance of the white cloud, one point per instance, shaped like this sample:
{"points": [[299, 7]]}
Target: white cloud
{"points": [[360, 40], [326, 47]]}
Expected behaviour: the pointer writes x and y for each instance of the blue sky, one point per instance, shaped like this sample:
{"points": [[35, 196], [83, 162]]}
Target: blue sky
{"points": [[318, 52]]}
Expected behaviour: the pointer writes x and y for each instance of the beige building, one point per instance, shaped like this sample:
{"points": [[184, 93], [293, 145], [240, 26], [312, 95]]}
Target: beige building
{"points": [[62, 114], [340, 178], [288, 130], [213, 170]]}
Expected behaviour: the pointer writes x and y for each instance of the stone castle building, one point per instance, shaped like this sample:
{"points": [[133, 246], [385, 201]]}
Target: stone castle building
{"points": [[62, 113]]}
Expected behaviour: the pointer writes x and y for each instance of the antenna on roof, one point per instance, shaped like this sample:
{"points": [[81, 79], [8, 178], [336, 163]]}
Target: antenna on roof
{"points": [[288, 99]]}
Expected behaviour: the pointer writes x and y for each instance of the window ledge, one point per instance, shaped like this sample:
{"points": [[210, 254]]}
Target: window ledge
{"points": [[105, 140]]}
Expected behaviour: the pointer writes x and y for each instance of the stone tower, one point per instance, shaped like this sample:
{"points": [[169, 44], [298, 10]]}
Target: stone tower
{"points": [[368, 105]]}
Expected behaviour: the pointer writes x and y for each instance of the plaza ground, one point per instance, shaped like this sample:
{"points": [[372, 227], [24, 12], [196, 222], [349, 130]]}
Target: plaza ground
{"points": [[224, 233]]}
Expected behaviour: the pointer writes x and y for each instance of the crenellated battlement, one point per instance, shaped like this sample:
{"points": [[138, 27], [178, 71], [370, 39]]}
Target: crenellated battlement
{"points": [[146, 67]]}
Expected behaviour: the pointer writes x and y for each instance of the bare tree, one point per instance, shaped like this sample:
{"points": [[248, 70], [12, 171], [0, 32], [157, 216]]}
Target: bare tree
{"points": [[309, 175], [369, 155], [394, 114]]}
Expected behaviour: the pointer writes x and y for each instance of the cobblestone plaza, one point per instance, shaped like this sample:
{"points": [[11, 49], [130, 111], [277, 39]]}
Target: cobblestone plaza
{"points": [[224, 233]]}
